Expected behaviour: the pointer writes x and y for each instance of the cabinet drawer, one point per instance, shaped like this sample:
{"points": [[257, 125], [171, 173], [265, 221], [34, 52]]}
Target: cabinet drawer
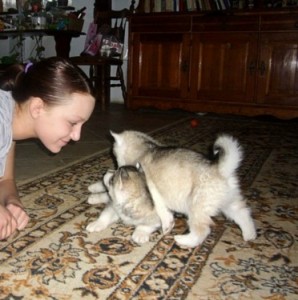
{"points": [[225, 23], [162, 23], [279, 22]]}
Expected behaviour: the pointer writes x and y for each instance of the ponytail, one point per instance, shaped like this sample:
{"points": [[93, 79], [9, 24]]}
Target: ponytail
{"points": [[9, 77]]}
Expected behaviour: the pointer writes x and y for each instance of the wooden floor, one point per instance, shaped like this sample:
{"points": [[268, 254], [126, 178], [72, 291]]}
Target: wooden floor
{"points": [[33, 160]]}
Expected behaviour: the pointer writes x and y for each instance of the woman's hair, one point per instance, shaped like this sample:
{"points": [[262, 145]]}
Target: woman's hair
{"points": [[51, 79]]}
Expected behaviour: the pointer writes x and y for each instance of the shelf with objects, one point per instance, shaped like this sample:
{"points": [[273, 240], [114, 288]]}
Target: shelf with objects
{"points": [[241, 61], [36, 21]]}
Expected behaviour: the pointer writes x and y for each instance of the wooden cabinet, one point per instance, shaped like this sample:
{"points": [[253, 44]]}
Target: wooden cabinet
{"points": [[244, 63], [159, 70], [277, 78], [160, 62], [222, 67]]}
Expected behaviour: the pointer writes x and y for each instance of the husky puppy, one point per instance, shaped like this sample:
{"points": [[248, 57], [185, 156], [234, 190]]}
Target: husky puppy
{"points": [[184, 181], [128, 199]]}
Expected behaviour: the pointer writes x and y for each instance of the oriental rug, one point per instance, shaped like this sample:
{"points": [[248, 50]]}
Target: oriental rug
{"points": [[56, 258]]}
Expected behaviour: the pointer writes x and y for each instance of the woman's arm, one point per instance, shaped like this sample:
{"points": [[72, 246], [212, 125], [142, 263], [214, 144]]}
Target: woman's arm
{"points": [[12, 214]]}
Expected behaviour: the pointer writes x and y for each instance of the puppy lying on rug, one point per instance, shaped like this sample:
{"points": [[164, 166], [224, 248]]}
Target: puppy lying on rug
{"points": [[128, 199], [184, 181]]}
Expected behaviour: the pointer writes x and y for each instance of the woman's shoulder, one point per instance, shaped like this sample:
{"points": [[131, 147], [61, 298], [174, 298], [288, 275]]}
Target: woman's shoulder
{"points": [[6, 108], [6, 115], [6, 103]]}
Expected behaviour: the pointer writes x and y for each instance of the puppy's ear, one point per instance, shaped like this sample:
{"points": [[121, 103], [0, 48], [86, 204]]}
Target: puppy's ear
{"points": [[139, 167], [116, 136], [110, 171], [112, 133]]}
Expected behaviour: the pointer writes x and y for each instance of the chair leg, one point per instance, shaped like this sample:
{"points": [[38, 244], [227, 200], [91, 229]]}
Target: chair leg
{"points": [[101, 80], [105, 86]]}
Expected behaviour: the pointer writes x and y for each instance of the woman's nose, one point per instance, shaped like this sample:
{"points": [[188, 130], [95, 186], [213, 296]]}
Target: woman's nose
{"points": [[76, 133]]}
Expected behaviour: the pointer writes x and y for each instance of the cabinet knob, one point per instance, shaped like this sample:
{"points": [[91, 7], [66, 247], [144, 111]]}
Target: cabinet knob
{"points": [[252, 67], [262, 68]]}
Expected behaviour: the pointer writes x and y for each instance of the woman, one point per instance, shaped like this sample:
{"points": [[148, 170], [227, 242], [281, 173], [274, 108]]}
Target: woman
{"points": [[49, 100]]}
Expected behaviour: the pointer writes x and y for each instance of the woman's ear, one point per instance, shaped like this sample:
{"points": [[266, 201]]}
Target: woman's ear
{"points": [[36, 107]]}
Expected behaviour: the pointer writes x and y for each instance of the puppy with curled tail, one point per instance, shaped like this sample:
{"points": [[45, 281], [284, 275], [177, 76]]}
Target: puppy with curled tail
{"points": [[184, 181]]}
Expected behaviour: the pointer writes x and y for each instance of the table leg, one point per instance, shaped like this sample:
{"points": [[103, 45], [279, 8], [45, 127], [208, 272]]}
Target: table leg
{"points": [[62, 45], [102, 86]]}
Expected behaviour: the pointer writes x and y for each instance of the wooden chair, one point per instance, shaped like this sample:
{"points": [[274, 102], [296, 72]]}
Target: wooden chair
{"points": [[110, 24]]}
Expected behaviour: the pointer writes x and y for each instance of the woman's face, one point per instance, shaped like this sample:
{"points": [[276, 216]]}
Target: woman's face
{"points": [[57, 125]]}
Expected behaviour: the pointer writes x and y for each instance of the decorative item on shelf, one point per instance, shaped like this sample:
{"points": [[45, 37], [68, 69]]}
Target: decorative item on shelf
{"points": [[75, 24], [38, 16], [62, 3], [61, 20], [76, 19], [50, 5], [36, 5]]}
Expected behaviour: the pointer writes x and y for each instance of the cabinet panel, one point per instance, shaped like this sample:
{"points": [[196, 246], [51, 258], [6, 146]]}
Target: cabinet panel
{"points": [[225, 23], [160, 23], [223, 66], [160, 65], [279, 22], [278, 69]]}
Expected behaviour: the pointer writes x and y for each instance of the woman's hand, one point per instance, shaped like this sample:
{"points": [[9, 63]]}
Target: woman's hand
{"points": [[8, 223], [12, 213], [12, 217], [19, 215]]}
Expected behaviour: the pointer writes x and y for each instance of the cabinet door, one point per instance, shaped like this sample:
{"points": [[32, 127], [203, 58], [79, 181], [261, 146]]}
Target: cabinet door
{"points": [[278, 69], [159, 65], [223, 66]]}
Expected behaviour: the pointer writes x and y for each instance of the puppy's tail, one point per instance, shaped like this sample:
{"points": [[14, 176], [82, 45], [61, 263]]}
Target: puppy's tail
{"points": [[229, 154]]}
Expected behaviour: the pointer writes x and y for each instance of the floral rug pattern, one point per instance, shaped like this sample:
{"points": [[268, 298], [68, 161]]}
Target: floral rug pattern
{"points": [[56, 258]]}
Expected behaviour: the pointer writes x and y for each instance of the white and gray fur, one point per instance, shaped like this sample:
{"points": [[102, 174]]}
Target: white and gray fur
{"points": [[128, 199], [184, 181]]}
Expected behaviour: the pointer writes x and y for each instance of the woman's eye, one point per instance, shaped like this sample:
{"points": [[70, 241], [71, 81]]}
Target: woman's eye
{"points": [[73, 123]]}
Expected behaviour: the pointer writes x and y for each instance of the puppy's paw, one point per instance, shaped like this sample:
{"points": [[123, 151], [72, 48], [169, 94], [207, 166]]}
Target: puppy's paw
{"points": [[140, 237], [97, 187], [98, 198], [185, 241], [96, 226], [250, 235]]}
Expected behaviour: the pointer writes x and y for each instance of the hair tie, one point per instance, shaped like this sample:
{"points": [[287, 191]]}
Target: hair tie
{"points": [[28, 66]]}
